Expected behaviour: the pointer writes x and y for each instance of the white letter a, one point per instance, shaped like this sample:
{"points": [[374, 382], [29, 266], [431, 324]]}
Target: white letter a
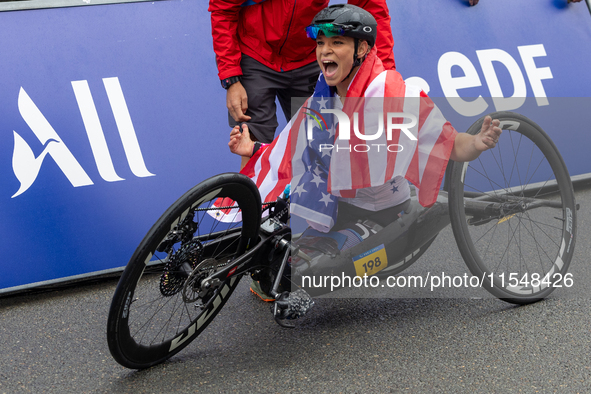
{"points": [[24, 163]]}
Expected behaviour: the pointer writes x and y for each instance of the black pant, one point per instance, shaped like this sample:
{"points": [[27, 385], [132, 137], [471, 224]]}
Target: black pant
{"points": [[263, 85]]}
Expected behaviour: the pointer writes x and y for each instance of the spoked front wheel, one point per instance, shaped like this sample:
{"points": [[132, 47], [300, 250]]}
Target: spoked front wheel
{"points": [[159, 306], [513, 213]]}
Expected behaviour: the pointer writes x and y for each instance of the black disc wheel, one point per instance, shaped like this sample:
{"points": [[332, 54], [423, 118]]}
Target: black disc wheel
{"points": [[159, 305], [513, 213]]}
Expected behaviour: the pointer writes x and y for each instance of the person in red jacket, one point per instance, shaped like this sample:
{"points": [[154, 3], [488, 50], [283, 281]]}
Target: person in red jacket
{"points": [[263, 53]]}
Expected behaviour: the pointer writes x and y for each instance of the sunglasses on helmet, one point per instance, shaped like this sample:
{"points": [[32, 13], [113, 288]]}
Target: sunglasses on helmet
{"points": [[328, 29]]}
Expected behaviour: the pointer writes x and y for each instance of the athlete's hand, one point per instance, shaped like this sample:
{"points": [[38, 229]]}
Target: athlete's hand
{"points": [[474, 2], [240, 142], [489, 134], [237, 102]]}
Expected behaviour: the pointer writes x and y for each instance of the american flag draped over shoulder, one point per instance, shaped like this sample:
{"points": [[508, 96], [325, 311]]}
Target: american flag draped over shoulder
{"points": [[318, 176]]}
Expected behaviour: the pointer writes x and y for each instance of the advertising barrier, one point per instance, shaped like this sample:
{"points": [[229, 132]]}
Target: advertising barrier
{"points": [[108, 113]]}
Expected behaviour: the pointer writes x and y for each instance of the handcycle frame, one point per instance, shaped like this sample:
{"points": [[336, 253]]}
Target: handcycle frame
{"points": [[409, 236]]}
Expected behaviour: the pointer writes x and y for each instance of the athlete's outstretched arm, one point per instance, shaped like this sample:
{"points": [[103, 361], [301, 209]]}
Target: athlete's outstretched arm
{"points": [[468, 147]]}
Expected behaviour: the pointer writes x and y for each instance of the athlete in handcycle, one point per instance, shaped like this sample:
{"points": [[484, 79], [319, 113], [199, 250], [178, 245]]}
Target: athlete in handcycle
{"points": [[514, 216]]}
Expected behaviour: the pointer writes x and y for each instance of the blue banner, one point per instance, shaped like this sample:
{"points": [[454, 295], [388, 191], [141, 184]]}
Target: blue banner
{"points": [[109, 113]]}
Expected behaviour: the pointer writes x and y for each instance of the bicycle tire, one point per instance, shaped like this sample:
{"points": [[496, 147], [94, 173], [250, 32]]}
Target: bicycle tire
{"points": [[156, 310], [519, 254]]}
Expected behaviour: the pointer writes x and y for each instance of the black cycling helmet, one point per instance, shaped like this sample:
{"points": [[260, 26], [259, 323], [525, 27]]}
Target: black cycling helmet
{"points": [[345, 20]]}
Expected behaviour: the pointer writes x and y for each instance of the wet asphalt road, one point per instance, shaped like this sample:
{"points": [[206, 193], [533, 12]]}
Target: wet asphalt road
{"points": [[55, 342]]}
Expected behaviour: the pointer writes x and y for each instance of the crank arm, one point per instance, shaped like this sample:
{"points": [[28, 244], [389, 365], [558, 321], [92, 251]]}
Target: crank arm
{"points": [[285, 245]]}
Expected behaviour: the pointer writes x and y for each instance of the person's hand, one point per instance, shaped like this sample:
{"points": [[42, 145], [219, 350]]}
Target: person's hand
{"points": [[489, 134], [237, 102], [240, 142], [573, 1], [474, 2]]}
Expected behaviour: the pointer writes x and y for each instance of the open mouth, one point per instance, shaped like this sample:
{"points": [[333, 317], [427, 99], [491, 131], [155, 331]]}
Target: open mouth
{"points": [[330, 68]]}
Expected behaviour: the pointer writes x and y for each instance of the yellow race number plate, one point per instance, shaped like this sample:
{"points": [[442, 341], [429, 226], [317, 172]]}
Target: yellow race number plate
{"points": [[371, 262]]}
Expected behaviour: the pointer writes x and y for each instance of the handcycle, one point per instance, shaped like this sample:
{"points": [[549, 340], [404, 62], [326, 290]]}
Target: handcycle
{"points": [[515, 216]]}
